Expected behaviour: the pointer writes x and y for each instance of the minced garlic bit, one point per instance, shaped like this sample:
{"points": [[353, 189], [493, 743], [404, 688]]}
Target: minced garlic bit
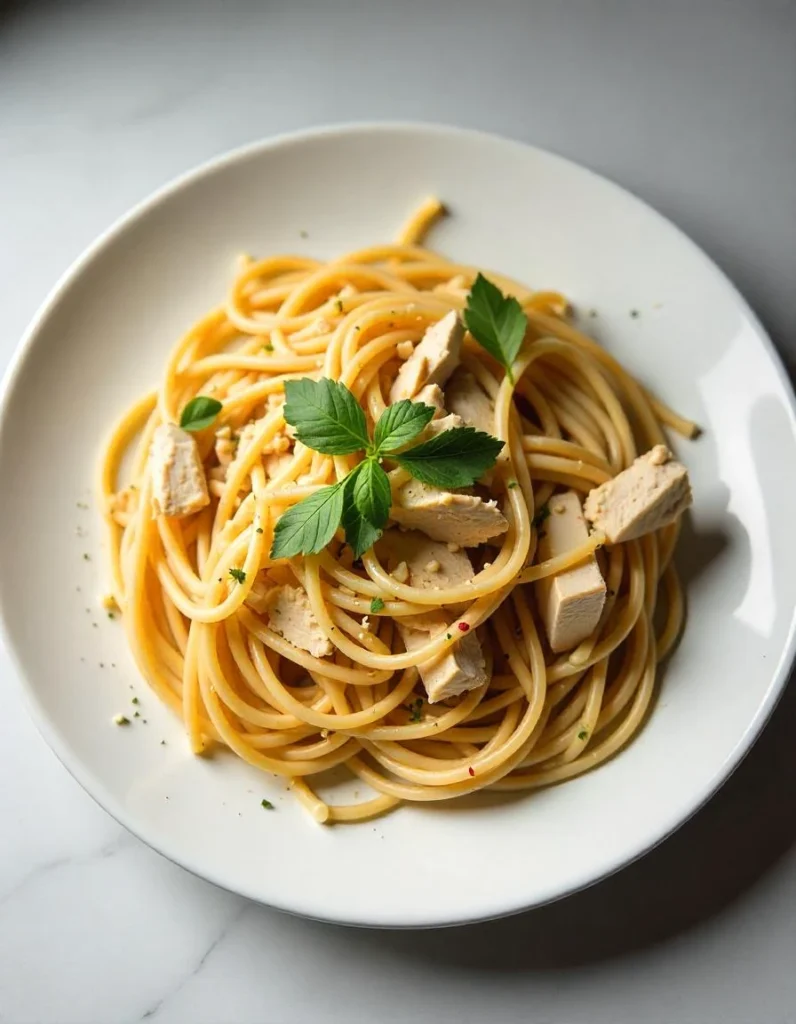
{"points": [[400, 573], [660, 455], [432, 566], [453, 548], [366, 624], [404, 349]]}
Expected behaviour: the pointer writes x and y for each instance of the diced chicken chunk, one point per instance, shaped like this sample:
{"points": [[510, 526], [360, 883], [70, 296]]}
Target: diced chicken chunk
{"points": [[430, 563], [290, 615], [439, 426], [179, 487], [465, 397], [434, 359], [570, 603], [649, 494], [462, 519], [461, 668], [432, 395]]}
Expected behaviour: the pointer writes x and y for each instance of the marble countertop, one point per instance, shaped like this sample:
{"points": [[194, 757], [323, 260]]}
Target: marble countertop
{"points": [[693, 106]]}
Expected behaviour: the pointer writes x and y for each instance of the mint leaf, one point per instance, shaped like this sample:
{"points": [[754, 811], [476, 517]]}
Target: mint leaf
{"points": [[326, 416], [308, 527], [360, 535], [454, 458], [366, 506], [400, 423], [199, 413], [371, 493], [496, 321]]}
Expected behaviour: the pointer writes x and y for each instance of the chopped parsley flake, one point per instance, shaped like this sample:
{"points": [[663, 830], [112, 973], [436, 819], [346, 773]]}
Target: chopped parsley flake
{"points": [[266, 804], [512, 484], [416, 710], [376, 605], [447, 636], [238, 574], [86, 556], [259, 529], [583, 734], [339, 305], [121, 720], [541, 515], [635, 314], [268, 348], [135, 700]]}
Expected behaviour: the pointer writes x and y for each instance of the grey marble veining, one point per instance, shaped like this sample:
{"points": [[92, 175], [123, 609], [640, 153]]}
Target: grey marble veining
{"points": [[692, 106]]}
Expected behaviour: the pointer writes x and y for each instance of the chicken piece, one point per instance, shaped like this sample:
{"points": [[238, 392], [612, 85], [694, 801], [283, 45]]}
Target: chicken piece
{"points": [[449, 516], [461, 668], [571, 602], [465, 397], [434, 359], [438, 426], [649, 494], [290, 615], [179, 486], [430, 563], [432, 395]]}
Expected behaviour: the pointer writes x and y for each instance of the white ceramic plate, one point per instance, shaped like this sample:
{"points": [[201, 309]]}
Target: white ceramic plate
{"points": [[101, 340]]}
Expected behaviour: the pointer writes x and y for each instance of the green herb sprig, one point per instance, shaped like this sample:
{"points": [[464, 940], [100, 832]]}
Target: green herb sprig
{"points": [[199, 413], [327, 418], [496, 321]]}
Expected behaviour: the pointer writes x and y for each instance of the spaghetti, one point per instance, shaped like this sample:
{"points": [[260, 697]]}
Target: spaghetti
{"points": [[572, 419]]}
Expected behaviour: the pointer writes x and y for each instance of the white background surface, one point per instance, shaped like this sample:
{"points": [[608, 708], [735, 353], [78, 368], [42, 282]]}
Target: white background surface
{"points": [[693, 106]]}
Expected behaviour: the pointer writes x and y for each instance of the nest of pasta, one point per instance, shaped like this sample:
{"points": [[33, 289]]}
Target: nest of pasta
{"points": [[438, 661]]}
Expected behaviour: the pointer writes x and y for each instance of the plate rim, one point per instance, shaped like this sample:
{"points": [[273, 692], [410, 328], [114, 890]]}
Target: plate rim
{"points": [[93, 784]]}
